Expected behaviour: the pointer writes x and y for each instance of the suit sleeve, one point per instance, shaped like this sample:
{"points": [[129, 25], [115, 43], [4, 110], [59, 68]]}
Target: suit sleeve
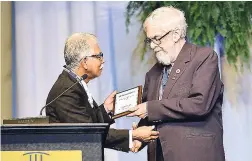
{"points": [[106, 117], [118, 140], [68, 110], [206, 86]]}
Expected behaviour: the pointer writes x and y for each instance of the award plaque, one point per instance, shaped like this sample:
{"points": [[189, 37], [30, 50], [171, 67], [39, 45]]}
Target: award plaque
{"points": [[126, 100]]}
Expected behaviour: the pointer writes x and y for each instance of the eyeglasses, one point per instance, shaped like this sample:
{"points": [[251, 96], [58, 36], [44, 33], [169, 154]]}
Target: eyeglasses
{"points": [[97, 56], [155, 40]]}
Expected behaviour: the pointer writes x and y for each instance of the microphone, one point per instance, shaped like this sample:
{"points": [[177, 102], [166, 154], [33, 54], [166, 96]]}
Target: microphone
{"points": [[82, 78]]}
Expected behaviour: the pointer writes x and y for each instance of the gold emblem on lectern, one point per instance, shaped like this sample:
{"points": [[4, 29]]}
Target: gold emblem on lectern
{"points": [[53, 155], [35, 156]]}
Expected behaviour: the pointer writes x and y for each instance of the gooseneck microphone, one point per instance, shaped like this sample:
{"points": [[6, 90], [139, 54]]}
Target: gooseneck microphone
{"points": [[82, 78]]}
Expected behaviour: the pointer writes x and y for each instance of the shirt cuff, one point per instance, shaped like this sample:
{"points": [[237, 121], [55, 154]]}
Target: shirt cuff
{"points": [[130, 139]]}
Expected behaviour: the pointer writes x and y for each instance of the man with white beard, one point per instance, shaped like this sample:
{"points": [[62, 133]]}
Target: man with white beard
{"points": [[182, 95]]}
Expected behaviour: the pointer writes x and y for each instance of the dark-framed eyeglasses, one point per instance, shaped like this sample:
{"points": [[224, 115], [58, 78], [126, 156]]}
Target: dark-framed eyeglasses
{"points": [[155, 40], [97, 56]]}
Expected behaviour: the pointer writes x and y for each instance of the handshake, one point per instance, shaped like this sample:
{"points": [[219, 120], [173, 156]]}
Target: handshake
{"points": [[143, 134]]}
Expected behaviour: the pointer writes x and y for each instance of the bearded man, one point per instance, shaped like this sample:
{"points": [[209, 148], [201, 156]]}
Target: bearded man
{"points": [[183, 93]]}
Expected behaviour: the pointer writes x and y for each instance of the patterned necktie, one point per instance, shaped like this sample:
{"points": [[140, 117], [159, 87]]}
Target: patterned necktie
{"points": [[164, 80], [165, 77]]}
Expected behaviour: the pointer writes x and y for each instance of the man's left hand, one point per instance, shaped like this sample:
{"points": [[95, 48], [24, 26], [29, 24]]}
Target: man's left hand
{"points": [[139, 111], [109, 102]]}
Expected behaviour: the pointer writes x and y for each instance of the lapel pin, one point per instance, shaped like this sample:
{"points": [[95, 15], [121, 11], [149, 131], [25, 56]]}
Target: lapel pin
{"points": [[178, 71]]}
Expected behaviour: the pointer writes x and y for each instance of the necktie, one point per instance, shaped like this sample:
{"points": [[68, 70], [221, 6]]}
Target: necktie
{"points": [[164, 80], [165, 77]]}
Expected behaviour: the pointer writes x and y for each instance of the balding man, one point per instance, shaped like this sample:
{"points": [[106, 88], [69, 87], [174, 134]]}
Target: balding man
{"points": [[83, 56], [182, 94]]}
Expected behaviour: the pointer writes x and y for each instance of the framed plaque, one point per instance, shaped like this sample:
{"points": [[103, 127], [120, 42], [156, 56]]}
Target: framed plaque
{"points": [[126, 100]]}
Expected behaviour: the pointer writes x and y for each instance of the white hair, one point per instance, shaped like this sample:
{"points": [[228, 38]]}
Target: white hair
{"points": [[77, 47], [178, 19]]}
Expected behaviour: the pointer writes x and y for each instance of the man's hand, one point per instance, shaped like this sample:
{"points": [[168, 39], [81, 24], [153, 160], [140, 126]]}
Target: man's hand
{"points": [[109, 102], [136, 146], [136, 143], [145, 133], [139, 111]]}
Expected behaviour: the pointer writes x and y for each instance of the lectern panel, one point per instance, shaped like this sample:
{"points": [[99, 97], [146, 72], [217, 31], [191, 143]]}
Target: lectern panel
{"points": [[88, 138]]}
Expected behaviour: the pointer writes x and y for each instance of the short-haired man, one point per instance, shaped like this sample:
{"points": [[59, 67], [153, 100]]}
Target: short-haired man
{"points": [[182, 94], [83, 56]]}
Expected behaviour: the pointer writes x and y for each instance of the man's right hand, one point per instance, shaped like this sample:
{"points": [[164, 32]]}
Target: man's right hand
{"points": [[145, 133], [136, 146], [136, 143]]}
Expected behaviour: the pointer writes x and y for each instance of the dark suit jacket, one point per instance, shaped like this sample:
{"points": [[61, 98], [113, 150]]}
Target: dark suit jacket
{"points": [[189, 116], [73, 107]]}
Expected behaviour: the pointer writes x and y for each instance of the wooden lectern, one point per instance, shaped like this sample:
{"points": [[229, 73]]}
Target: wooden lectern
{"points": [[85, 137]]}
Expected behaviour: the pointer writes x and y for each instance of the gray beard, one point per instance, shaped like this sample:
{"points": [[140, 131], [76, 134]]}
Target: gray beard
{"points": [[163, 58]]}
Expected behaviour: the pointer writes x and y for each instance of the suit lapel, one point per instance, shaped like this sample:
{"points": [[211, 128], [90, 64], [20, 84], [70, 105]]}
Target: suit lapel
{"points": [[178, 68], [157, 76]]}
